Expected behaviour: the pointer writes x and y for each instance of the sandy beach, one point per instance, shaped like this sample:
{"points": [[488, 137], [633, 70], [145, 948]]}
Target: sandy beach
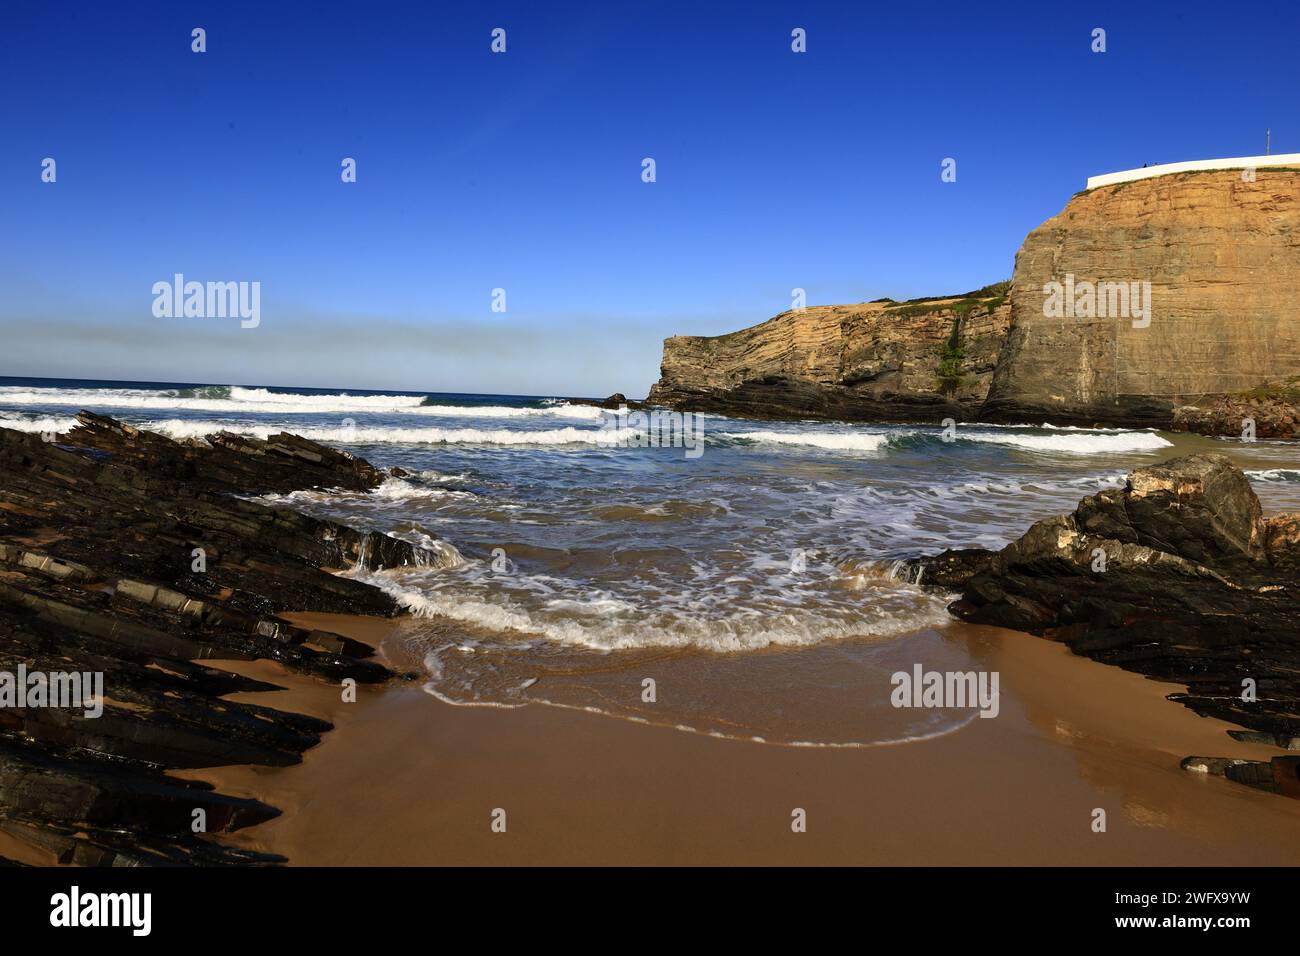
{"points": [[520, 673], [409, 780]]}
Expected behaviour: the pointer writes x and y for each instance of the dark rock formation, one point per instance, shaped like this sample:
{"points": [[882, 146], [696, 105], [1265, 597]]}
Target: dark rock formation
{"points": [[950, 570], [126, 554], [1178, 576], [1280, 775], [1268, 413]]}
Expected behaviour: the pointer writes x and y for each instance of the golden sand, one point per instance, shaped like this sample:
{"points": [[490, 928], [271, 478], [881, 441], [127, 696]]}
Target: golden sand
{"points": [[406, 779]]}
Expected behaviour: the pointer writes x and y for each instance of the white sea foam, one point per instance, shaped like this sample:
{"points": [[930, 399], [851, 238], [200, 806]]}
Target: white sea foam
{"points": [[1068, 441], [1073, 442], [330, 402], [1275, 474], [44, 423], [235, 400], [842, 441], [1048, 426], [186, 428], [359, 435], [390, 491], [618, 625], [399, 489]]}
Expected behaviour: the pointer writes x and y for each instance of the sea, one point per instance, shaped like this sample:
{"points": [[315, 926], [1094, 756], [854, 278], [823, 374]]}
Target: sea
{"points": [[747, 589]]}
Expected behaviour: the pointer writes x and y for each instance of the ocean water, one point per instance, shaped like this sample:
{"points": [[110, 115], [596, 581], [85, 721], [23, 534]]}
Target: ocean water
{"points": [[750, 583]]}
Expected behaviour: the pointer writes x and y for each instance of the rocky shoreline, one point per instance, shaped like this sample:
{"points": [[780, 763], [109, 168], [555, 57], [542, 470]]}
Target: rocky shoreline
{"points": [[1177, 576], [1271, 413], [129, 555]]}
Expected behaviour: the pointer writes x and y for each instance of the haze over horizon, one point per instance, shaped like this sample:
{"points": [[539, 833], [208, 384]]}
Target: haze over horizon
{"points": [[523, 171]]}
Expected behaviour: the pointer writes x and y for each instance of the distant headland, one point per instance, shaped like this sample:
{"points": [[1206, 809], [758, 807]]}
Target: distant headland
{"points": [[1167, 297]]}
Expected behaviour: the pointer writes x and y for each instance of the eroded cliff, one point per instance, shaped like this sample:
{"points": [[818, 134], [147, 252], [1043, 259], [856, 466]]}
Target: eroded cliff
{"points": [[1221, 258], [1173, 292], [879, 361]]}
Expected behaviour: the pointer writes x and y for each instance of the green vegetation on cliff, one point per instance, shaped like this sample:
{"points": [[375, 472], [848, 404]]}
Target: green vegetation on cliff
{"points": [[950, 374], [989, 297], [1287, 391]]}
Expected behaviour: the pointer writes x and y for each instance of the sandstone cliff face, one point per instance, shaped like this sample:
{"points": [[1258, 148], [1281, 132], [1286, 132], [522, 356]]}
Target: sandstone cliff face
{"points": [[869, 362], [1222, 257]]}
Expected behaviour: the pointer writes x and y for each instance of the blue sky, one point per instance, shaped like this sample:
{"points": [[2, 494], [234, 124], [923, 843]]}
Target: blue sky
{"points": [[522, 171]]}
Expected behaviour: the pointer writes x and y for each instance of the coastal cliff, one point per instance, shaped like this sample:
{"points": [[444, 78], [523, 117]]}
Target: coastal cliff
{"points": [[879, 361], [1222, 257], [1213, 263]]}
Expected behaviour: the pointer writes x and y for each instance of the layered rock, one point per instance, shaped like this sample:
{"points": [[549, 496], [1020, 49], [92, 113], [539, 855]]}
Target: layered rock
{"points": [[1222, 257], [1177, 575], [1219, 254], [878, 361], [1271, 412], [126, 554]]}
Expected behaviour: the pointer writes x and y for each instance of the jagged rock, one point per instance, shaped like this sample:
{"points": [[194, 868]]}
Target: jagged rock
{"points": [[258, 559], [1268, 413], [1215, 766], [1281, 775], [950, 570], [226, 461], [130, 555], [1178, 575], [1275, 740]]}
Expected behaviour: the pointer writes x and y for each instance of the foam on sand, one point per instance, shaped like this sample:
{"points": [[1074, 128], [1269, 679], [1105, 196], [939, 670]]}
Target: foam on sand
{"points": [[606, 623]]}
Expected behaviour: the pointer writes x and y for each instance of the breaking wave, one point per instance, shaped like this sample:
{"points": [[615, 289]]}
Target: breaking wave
{"points": [[1072, 441], [344, 435], [604, 622], [1275, 474], [840, 441], [233, 399]]}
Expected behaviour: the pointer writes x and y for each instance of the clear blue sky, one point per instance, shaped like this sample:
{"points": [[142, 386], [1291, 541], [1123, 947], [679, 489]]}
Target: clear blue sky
{"points": [[523, 170]]}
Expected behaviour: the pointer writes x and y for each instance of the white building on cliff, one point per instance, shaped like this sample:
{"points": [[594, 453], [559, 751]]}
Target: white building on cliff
{"points": [[1241, 162]]}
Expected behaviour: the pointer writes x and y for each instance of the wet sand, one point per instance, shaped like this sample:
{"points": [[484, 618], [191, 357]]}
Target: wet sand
{"points": [[406, 779]]}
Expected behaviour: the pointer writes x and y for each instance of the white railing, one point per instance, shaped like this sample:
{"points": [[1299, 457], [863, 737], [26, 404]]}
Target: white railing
{"points": [[1241, 162]]}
